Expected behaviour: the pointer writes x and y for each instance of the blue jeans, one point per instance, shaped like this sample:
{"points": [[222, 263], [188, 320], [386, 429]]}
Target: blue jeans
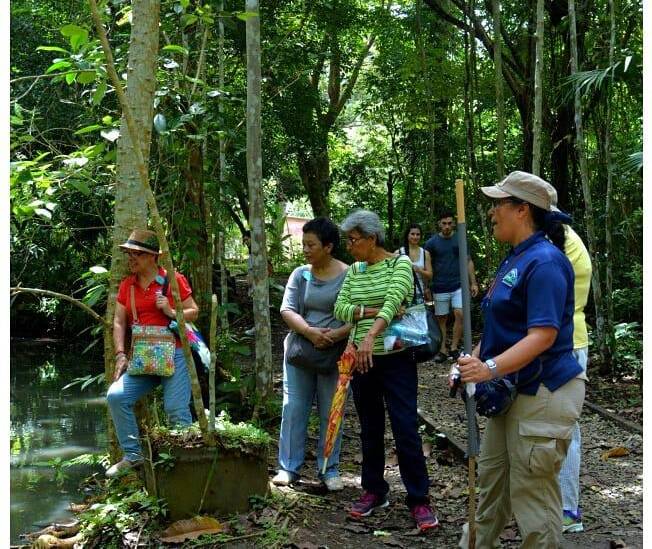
{"points": [[392, 382], [569, 474], [299, 390], [124, 393]]}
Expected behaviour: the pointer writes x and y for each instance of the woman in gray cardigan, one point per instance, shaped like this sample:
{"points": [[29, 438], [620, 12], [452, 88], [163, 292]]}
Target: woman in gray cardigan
{"points": [[321, 280]]}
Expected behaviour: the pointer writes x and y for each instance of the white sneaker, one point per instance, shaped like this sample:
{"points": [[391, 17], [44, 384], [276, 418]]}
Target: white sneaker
{"points": [[121, 467], [284, 478], [334, 483]]}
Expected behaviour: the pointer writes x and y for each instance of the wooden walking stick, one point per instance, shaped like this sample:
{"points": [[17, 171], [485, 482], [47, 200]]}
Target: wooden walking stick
{"points": [[472, 427]]}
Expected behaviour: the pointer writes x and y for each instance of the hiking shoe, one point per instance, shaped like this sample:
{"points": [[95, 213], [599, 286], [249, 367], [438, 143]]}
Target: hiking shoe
{"points": [[571, 522], [440, 357], [122, 467], [454, 354], [284, 478], [334, 483], [424, 517], [367, 504]]}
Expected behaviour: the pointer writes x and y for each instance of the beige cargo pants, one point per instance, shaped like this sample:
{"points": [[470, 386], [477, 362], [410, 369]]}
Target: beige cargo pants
{"points": [[520, 456]]}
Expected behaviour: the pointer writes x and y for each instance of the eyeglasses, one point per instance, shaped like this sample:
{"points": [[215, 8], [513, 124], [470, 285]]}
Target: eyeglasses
{"points": [[352, 240], [502, 201]]}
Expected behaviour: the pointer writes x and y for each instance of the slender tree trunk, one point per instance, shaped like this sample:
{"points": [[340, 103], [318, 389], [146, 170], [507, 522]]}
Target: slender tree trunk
{"points": [[432, 183], [500, 100], [538, 92], [257, 208], [224, 286], [609, 328], [130, 210], [200, 258], [588, 203]]}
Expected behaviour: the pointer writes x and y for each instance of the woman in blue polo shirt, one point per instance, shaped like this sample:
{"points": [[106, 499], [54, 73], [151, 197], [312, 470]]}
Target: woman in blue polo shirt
{"points": [[528, 336]]}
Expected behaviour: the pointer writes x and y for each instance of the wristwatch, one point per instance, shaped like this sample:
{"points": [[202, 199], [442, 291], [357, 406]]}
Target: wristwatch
{"points": [[492, 367]]}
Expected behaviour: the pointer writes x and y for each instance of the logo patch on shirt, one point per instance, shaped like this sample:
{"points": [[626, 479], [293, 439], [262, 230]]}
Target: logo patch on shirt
{"points": [[511, 277]]}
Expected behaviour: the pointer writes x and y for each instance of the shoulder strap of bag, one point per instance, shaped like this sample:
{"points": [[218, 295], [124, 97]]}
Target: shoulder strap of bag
{"points": [[301, 297], [134, 312]]}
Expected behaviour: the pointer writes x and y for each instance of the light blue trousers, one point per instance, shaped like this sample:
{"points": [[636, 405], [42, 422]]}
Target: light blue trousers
{"points": [[124, 393], [569, 474], [299, 390]]}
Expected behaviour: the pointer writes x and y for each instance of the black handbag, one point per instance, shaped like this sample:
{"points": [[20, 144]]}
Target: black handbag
{"points": [[300, 351], [427, 351]]}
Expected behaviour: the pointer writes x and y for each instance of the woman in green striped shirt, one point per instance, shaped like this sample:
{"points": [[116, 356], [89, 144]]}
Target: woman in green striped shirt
{"points": [[374, 289]]}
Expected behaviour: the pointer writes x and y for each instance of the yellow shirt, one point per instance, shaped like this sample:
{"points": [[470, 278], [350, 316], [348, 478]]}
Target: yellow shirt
{"points": [[579, 257]]}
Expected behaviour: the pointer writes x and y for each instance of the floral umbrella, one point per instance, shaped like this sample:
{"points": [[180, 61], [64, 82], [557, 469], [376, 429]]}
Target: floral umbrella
{"points": [[345, 367]]}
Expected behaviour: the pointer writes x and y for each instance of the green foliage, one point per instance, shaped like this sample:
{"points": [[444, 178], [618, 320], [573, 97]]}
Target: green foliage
{"points": [[629, 348], [126, 507]]}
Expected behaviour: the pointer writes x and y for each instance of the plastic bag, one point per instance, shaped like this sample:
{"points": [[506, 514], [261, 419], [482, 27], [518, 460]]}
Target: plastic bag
{"points": [[411, 330]]}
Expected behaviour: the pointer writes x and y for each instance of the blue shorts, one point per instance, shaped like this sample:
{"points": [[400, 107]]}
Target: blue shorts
{"points": [[446, 300]]}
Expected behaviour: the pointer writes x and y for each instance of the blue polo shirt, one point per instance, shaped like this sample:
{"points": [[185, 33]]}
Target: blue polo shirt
{"points": [[533, 288]]}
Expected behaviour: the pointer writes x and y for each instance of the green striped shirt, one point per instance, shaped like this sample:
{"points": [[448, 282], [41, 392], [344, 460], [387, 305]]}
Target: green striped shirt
{"points": [[386, 285]]}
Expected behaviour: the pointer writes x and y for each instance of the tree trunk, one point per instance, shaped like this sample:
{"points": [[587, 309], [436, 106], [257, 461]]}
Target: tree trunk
{"points": [[130, 210], [315, 173], [257, 208], [221, 217], [609, 328], [200, 257], [588, 204], [500, 100], [538, 92], [431, 182]]}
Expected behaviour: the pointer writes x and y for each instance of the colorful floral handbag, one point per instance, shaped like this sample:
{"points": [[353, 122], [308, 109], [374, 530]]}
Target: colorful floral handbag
{"points": [[152, 348]]}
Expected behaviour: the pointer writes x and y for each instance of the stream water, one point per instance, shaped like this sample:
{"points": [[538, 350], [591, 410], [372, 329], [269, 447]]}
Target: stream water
{"points": [[48, 427]]}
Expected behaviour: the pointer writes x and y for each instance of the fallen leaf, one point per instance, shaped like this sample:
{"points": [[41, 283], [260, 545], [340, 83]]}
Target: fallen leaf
{"points": [[187, 529], [619, 451]]}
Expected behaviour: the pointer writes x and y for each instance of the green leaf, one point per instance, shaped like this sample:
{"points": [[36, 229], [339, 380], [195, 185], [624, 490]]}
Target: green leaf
{"points": [[43, 213], [86, 77], [99, 92], [176, 49], [160, 123], [244, 15], [71, 77], [98, 269], [188, 19], [80, 186], [52, 48], [107, 120], [88, 129], [72, 30], [184, 3], [58, 65]]}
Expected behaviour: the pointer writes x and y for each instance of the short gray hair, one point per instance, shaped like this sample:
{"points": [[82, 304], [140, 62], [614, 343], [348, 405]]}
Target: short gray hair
{"points": [[366, 223]]}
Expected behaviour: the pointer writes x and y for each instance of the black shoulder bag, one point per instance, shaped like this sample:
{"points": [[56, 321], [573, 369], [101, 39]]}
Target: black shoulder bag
{"points": [[300, 351]]}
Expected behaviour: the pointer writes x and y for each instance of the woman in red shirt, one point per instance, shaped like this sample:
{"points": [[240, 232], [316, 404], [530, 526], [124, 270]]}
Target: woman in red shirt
{"points": [[153, 309]]}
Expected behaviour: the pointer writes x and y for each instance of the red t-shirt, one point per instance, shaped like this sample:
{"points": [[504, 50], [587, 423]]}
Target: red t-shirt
{"points": [[148, 314]]}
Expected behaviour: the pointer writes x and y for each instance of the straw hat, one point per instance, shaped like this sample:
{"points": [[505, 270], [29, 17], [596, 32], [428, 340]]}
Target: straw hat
{"points": [[523, 185], [143, 241]]}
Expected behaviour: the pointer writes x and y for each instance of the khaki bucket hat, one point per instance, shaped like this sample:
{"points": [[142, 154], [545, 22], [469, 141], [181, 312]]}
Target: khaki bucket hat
{"points": [[143, 241], [522, 185]]}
